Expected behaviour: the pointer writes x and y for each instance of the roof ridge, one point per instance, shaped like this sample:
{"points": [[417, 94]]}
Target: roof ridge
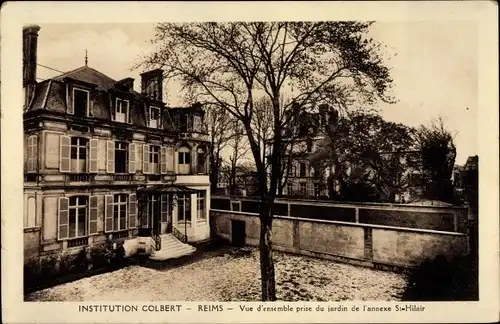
{"points": [[68, 72]]}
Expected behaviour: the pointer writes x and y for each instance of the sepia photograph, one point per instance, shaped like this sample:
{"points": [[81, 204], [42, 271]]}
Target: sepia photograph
{"points": [[276, 160]]}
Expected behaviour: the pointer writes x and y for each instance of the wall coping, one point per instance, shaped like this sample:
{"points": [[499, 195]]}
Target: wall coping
{"points": [[367, 205], [382, 227]]}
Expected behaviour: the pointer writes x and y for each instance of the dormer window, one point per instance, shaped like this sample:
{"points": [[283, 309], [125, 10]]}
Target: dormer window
{"points": [[80, 102], [154, 117], [122, 110]]}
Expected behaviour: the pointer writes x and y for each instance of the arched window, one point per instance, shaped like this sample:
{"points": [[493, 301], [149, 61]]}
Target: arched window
{"points": [[201, 166], [184, 160]]}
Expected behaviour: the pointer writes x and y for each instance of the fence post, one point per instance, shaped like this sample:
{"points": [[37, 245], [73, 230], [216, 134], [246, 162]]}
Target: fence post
{"points": [[357, 214]]}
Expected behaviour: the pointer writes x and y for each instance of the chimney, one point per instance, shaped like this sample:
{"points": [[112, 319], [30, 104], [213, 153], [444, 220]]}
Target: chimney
{"points": [[152, 84], [30, 40]]}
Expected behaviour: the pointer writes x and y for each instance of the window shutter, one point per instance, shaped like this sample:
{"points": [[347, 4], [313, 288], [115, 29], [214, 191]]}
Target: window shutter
{"points": [[170, 159], [63, 218], [131, 158], [110, 157], [93, 154], [145, 158], [132, 211], [65, 154], [108, 213], [164, 208], [163, 165], [128, 113], [93, 215]]}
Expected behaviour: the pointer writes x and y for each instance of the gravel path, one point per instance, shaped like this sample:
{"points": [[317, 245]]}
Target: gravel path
{"points": [[233, 276]]}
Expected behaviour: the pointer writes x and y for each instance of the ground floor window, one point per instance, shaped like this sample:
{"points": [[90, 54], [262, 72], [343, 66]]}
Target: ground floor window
{"points": [[120, 212], [201, 205], [77, 222], [184, 207]]}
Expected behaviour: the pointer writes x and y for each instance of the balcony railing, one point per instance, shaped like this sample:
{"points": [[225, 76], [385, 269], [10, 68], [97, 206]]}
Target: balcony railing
{"points": [[154, 177], [123, 177], [83, 241], [80, 177]]}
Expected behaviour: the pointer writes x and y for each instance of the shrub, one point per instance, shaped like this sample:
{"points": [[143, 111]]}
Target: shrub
{"points": [[443, 279]]}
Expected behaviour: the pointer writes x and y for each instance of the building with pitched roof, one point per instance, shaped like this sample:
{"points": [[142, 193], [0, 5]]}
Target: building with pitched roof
{"points": [[105, 163]]}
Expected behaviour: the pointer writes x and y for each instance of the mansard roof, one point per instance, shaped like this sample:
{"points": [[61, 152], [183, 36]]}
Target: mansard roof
{"points": [[51, 95]]}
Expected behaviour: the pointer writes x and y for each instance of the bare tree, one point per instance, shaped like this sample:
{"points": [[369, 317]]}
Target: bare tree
{"points": [[231, 64], [238, 150], [218, 122]]}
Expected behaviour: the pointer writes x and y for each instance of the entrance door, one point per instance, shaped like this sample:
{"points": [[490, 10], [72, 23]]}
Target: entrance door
{"points": [[238, 233]]}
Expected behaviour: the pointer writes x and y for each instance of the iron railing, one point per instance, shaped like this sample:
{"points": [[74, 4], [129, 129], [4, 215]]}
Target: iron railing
{"points": [[83, 241], [80, 177], [181, 237], [123, 177]]}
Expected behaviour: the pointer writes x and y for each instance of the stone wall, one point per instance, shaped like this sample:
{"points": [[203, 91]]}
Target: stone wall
{"points": [[363, 244]]}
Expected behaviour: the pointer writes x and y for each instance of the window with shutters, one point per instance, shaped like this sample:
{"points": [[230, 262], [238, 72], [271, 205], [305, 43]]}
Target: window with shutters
{"points": [[122, 111], [184, 160], [201, 205], [80, 102], [121, 157], [32, 154], [120, 212], [154, 117], [79, 154], [77, 222], [154, 159], [184, 207]]}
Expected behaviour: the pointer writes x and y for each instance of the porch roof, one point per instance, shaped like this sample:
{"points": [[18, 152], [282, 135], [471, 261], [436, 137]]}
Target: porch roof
{"points": [[167, 188]]}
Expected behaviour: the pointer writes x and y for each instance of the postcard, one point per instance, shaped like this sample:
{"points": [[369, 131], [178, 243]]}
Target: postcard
{"points": [[249, 162]]}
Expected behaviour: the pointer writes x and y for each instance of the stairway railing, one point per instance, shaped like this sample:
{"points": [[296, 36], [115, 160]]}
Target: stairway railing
{"points": [[181, 237]]}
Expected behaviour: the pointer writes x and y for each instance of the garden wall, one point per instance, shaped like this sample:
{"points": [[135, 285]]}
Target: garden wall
{"points": [[353, 242]]}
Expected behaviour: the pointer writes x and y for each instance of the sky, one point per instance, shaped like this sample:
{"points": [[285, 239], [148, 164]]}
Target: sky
{"points": [[434, 66]]}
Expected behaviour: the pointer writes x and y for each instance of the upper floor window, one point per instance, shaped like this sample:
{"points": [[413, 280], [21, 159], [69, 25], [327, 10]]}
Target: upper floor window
{"points": [[121, 157], [184, 160], [122, 110], [154, 159], [303, 188], [201, 163], [79, 154], [302, 169], [309, 145], [154, 117], [80, 102]]}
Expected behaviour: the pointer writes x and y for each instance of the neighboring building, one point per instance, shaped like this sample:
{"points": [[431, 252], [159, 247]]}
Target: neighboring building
{"points": [[300, 178], [106, 163]]}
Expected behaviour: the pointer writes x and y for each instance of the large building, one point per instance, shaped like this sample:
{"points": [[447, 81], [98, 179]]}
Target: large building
{"points": [[106, 163]]}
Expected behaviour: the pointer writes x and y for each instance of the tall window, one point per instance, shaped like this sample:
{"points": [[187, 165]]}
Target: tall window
{"points": [[120, 212], [302, 169], [184, 207], [80, 102], [303, 191], [316, 189], [122, 110], [184, 160], [79, 154], [77, 216], [309, 145], [154, 117], [154, 159], [289, 189], [121, 157], [201, 205], [201, 163]]}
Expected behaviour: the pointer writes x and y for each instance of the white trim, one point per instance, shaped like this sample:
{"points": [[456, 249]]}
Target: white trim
{"points": [[88, 100], [127, 115], [157, 120]]}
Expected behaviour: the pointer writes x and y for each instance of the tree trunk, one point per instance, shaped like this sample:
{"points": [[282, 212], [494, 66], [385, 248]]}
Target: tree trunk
{"points": [[268, 284]]}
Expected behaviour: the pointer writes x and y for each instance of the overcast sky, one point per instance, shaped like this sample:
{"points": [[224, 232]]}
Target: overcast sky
{"points": [[434, 67]]}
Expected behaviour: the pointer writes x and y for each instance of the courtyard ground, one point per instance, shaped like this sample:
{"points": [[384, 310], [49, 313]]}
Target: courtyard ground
{"points": [[232, 275]]}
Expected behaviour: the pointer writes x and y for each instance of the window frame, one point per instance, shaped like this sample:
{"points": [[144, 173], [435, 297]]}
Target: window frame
{"points": [[86, 215], [127, 158], [120, 204], [127, 114], [186, 201], [87, 111], [201, 201], [77, 147], [154, 150], [151, 108]]}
